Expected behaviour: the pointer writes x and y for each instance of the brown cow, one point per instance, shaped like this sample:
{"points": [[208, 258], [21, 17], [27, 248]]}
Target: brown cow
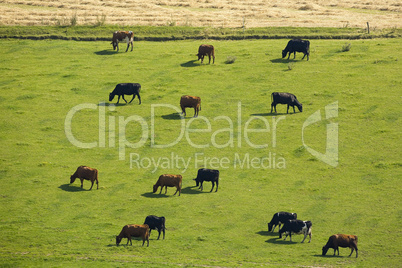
{"points": [[123, 36], [205, 50], [86, 173], [168, 180], [192, 102], [134, 230], [341, 240]]}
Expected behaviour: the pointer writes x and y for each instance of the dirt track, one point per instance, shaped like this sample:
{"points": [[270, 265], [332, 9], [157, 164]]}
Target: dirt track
{"points": [[220, 13]]}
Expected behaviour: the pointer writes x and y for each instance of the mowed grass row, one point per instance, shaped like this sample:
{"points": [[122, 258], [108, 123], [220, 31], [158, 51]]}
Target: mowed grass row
{"points": [[46, 221]]}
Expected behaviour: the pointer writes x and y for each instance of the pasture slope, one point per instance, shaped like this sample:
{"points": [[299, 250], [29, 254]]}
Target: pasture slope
{"points": [[45, 221]]}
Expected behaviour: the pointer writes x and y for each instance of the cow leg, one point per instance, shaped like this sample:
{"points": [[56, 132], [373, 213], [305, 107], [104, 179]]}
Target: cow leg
{"points": [[123, 98], [213, 184], [128, 45], [163, 230], [97, 184], [201, 186], [161, 190], [118, 99], [183, 111], [129, 240], [166, 189], [91, 185], [132, 45], [139, 98], [287, 111], [132, 98], [209, 57], [202, 58], [117, 46], [82, 183], [216, 186], [293, 109], [195, 112], [159, 231], [294, 55], [305, 235]]}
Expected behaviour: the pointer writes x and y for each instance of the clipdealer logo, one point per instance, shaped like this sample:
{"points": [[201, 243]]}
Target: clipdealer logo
{"points": [[112, 133]]}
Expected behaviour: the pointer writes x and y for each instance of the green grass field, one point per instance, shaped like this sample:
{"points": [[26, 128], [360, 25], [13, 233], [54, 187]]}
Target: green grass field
{"points": [[45, 221]]}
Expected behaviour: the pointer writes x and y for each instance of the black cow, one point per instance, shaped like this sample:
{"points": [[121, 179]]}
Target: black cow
{"points": [[126, 89], [297, 45], [296, 227], [205, 174], [280, 218], [285, 98], [156, 223]]}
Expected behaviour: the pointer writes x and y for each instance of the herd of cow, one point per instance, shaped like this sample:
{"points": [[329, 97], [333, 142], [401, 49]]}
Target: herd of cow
{"points": [[291, 225]]}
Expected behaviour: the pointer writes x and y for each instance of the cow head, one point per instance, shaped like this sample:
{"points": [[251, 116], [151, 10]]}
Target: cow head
{"points": [[114, 45], [155, 188], [300, 107], [111, 96], [72, 179], [324, 250], [270, 225], [284, 52], [118, 240]]}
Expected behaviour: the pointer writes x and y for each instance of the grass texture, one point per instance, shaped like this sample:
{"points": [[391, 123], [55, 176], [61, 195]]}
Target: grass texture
{"points": [[45, 221]]}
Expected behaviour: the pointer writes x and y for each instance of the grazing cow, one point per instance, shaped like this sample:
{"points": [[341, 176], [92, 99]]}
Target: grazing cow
{"points": [[205, 174], [126, 89], [123, 36], [86, 173], [341, 240], [285, 98], [156, 223], [168, 180], [134, 230], [205, 50], [297, 45], [192, 102], [280, 218], [296, 227]]}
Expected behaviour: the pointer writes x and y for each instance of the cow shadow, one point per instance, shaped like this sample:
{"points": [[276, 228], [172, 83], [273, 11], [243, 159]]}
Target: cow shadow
{"points": [[191, 190], [172, 116], [107, 104], [191, 63], [280, 60], [69, 188], [269, 114], [266, 233], [105, 52], [280, 241], [157, 195]]}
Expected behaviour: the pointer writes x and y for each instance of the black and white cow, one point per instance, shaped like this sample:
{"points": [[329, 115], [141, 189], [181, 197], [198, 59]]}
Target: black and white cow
{"points": [[156, 223], [296, 227], [123, 36], [285, 98], [205, 174], [280, 218], [297, 45], [126, 89]]}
